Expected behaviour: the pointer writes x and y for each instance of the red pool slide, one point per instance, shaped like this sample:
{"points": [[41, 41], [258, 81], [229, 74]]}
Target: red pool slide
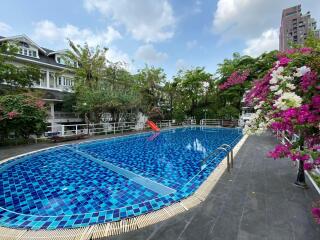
{"points": [[153, 126]]}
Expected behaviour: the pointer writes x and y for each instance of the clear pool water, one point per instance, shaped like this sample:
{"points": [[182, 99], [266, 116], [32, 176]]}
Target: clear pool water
{"points": [[100, 181]]}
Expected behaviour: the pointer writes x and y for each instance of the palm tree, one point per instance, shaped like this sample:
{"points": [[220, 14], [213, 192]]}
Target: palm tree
{"points": [[88, 64]]}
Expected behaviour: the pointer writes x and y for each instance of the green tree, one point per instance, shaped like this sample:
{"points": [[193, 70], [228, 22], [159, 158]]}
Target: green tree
{"points": [[149, 83], [192, 88], [230, 99], [100, 85], [15, 77], [88, 64]]}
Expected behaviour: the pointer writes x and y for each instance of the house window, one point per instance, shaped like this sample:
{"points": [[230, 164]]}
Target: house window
{"points": [[43, 79], [58, 59], [28, 52]]}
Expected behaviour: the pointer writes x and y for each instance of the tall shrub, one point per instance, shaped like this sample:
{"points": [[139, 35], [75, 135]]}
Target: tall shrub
{"points": [[21, 115]]}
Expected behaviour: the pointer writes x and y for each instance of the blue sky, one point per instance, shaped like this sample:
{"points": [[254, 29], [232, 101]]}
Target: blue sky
{"points": [[172, 34]]}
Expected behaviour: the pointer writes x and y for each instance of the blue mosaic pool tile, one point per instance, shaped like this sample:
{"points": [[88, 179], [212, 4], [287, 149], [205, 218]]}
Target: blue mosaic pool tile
{"points": [[60, 188]]}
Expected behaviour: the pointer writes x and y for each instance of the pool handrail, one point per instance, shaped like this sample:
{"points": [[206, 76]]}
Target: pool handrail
{"points": [[223, 147]]}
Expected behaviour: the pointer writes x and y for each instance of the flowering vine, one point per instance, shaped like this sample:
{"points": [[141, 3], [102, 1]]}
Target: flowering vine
{"points": [[287, 99], [235, 78]]}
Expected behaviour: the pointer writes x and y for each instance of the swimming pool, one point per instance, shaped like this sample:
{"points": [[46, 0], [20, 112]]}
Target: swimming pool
{"points": [[94, 182]]}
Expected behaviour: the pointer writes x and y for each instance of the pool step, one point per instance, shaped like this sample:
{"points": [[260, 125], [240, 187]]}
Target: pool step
{"points": [[145, 182]]}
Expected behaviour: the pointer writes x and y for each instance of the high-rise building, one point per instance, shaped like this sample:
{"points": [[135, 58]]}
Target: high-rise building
{"points": [[295, 27]]}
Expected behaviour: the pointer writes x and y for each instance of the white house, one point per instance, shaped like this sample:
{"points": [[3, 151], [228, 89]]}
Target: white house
{"points": [[54, 82]]}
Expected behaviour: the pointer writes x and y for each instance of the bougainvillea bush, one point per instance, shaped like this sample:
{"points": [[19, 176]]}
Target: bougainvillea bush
{"points": [[21, 115], [287, 100], [235, 78]]}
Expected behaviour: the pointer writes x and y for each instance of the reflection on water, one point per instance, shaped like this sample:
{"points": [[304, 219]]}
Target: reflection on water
{"points": [[197, 146]]}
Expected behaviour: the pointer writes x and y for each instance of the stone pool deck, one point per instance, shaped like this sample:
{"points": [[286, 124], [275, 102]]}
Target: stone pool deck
{"points": [[255, 201]]}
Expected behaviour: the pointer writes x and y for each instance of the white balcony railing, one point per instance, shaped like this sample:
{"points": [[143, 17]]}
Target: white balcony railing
{"points": [[56, 88], [64, 117]]}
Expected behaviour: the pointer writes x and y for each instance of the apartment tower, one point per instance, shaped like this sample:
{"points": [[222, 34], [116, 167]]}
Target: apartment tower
{"points": [[295, 27]]}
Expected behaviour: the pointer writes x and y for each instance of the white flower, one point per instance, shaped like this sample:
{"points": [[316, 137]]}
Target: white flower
{"points": [[279, 70], [263, 126], [290, 86], [288, 100], [273, 80], [276, 75], [258, 105], [274, 88], [287, 78], [301, 71], [279, 92]]}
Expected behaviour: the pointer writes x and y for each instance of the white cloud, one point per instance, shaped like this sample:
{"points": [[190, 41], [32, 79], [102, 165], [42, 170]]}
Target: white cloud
{"points": [[147, 20], [49, 32], [115, 55], [149, 54], [197, 6], [192, 44], [247, 18], [267, 41], [4, 29]]}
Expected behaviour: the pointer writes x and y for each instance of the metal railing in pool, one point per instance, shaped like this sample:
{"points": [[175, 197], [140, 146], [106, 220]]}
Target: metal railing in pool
{"points": [[222, 148]]}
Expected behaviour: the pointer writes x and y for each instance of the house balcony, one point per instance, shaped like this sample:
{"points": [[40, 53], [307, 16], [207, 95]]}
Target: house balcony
{"points": [[60, 88], [64, 117]]}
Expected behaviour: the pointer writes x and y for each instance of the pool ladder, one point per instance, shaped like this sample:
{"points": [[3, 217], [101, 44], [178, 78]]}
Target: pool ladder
{"points": [[225, 148]]}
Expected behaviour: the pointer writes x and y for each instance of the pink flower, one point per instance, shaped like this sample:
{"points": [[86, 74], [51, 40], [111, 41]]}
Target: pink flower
{"points": [[259, 91], [305, 50], [289, 113], [234, 79], [308, 80], [12, 114], [316, 102], [307, 166], [316, 214], [291, 51], [40, 103], [317, 161], [284, 61], [298, 156], [279, 151]]}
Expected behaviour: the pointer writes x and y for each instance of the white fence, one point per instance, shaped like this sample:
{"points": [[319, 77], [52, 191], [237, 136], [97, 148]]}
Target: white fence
{"points": [[219, 122], [93, 128], [212, 122], [107, 128]]}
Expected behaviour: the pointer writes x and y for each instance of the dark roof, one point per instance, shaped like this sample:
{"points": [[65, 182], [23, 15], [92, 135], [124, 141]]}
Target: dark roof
{"points": [[43, 58], [48, 50]]}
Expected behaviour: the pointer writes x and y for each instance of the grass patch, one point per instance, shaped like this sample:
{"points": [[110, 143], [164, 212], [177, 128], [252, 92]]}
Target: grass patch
{"points": [[316, 178]]}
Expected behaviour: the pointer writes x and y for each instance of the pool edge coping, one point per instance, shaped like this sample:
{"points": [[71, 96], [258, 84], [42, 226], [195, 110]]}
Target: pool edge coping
{"points": [[98, 231]]}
